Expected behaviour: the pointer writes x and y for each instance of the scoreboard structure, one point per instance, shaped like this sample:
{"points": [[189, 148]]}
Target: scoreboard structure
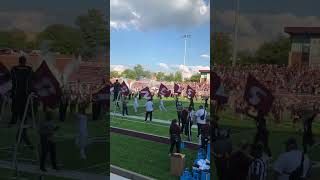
{"points": [[305, 46]]}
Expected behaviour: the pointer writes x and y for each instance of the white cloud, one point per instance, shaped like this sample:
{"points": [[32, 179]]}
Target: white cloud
{"points": [[150, 14], [119, 68], [27, 21], [206, 56], [254, 29], [163, 65], [188, 71]]}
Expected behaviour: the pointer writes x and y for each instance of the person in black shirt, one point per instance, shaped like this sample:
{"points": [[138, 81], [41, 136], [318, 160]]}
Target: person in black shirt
{"points": [[116, 90], [240, 161], [175, 137], [21, 76]]}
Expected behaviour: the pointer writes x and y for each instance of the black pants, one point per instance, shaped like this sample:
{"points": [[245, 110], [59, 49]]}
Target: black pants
{"points": [[183, 127], [47, 146], [18, 107], [199, 128], [179, 117], [147, 114], [115, 96], [187, 129], [24, 137], [72, 107], [175, 143], [95, 111], [262, 136], [124, 110], [222, 168]]}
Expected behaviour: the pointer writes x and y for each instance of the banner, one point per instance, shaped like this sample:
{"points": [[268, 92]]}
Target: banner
{"points": [[46, 86], [190, 92], [177, 89], [5, 80], [145, 92], [257, 95], [164, 91], [124, 89]]}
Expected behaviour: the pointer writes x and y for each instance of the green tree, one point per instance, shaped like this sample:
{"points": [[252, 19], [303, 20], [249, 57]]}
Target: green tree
{"points": [[94, 33], [195, 77], [160, 76], [114, 74], [275, 52], [178, 76], [15, 39], [169, 77], [129, 73], [222, 49], [63, 39]]}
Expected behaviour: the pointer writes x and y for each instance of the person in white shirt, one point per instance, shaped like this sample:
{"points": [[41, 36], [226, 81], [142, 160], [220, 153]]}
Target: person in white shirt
{"points": [[161, 106], [135, 104], [82, 139], [201, 118], [149, 109], [290, 161]]}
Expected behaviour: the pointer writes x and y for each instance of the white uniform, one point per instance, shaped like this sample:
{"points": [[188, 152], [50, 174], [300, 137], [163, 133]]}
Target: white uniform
{"points": [[82, 140], [135, 104], [289, 161], [161, 106]]}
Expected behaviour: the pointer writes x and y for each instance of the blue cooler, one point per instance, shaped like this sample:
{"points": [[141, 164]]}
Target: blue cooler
{"points": [[205, 175], [182, 145], [186, 175]]}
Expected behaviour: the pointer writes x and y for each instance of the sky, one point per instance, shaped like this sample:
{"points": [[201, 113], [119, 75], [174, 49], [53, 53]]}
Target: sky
{"points": [[35, 15], [149, 32], [262, 21]]}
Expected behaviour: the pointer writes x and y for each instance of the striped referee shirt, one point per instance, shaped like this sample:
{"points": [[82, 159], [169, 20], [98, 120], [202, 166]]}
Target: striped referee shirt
{"points": [[258, 170]]}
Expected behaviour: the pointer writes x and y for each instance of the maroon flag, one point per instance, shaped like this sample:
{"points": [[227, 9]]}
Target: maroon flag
{"points": [[177, 88], [257, 95], [124, 89], [164, 91], [5, 80], [145, 92], [46, 86], [190, 92]]}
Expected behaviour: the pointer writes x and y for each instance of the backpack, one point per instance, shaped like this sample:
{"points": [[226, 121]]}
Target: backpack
{"points": [[298, 172]]}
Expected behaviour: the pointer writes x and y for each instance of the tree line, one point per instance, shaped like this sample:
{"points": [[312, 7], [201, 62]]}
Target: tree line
{"points": [[138, 72], [87, 37], [272, 52]]}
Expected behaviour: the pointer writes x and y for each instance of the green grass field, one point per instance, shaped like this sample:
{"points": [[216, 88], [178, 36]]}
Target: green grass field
{"points": [[68, 156], [240, 130]]}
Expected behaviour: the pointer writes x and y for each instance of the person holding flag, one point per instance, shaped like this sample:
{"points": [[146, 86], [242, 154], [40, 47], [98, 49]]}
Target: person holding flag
{"points": [[116, 89], [260, 98], [179, 108]]}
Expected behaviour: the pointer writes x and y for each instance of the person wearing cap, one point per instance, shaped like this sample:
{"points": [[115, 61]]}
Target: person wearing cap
{"points": [[290, 161], [175, 137], [201, 118]]}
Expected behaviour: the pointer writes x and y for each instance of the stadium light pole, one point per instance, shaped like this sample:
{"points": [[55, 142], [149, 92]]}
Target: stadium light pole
{"points": [[235, 39], [185, 37]]}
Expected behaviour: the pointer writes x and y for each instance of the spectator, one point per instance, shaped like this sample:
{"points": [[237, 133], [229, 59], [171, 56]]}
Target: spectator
{"points": [[292, 162], [201, 118], [175, 137], [240, 161], [258, 168]]}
